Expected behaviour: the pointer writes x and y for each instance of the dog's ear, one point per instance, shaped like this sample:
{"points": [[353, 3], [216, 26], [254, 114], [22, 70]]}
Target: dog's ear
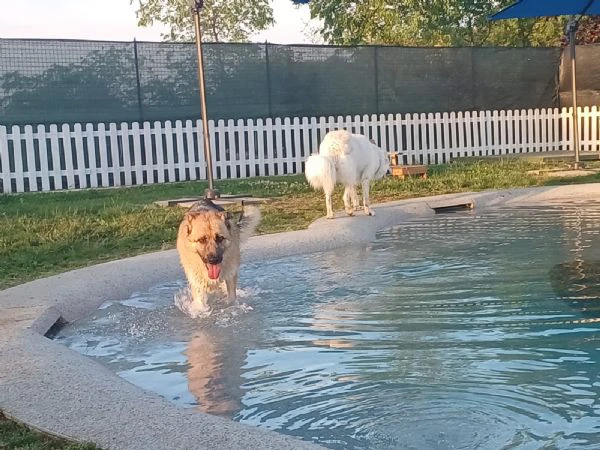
{"points": [[241, 216], [226, 216]]}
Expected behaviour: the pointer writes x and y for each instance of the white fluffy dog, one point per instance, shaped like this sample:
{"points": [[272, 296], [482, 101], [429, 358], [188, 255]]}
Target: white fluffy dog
{"points": [[348, 159]]}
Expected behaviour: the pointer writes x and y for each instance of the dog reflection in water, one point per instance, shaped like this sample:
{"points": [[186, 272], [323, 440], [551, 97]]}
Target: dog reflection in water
{"points": [[214, 376]]}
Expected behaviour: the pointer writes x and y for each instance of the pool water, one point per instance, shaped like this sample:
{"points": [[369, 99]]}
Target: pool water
{"points": [[463, 331]]}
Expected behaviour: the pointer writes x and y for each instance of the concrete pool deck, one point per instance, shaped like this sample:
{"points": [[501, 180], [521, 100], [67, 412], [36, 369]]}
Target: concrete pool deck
{"points": [[57, 390]]}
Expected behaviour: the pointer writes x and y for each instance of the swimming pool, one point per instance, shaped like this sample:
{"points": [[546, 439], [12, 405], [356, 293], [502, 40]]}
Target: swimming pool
{"points": [[467, 330]]}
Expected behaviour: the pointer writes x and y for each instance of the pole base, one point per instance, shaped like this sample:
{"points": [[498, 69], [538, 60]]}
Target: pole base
{"points": [[211, 194]]}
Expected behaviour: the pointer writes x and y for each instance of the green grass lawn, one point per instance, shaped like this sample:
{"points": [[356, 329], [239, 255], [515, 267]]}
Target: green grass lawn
{"points": [[47, 233], [17, 437]]}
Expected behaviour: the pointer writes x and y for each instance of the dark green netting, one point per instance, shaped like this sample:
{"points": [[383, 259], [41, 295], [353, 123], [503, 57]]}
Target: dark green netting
{"points": [[54, 81]]}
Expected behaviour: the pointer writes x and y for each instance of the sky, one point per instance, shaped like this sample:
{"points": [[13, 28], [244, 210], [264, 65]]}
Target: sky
{"points": [[115, 20]]}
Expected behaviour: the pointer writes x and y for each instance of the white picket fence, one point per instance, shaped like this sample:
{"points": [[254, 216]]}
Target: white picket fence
{"points": [[76, 157]]}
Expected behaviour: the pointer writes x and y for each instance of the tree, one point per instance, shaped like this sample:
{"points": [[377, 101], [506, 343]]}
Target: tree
{"points": [[430, 23], [588, 31], [221, 20]]}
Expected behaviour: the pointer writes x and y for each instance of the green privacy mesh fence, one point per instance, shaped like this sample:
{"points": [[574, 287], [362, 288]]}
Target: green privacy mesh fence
{"points": [[57, 81]]}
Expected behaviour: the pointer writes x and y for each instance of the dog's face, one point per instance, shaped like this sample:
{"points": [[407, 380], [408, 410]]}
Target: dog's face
{"points": [[209, 235], [384, 163]]}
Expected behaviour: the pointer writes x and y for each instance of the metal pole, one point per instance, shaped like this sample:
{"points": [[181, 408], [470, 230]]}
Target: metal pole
{"points": [[269, 90], [137, 79], [376, 77], [572, 29], [211, 192]]}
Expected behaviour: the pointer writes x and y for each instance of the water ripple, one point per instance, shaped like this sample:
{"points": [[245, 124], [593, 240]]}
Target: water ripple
{"points": [[462, 331]]}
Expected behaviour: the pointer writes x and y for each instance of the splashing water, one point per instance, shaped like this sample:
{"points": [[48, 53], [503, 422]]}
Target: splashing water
{"points": [[184, 302]]}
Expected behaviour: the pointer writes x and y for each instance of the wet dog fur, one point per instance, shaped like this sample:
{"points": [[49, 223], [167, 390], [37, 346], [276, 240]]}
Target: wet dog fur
{"points": [[208, 243]]}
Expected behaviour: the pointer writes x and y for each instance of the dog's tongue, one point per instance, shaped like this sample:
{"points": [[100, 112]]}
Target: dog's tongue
{"points": [[214, 270]]}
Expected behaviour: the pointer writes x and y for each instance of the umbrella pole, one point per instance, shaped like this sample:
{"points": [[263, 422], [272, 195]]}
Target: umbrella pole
{"points": [[210, 193], [572, 27]]}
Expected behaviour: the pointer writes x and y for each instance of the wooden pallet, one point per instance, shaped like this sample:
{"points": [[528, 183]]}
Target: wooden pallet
{"points": [[404, 171]]}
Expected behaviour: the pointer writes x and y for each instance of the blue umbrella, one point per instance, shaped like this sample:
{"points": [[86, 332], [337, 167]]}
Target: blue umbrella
{"points": [[545, 8]]}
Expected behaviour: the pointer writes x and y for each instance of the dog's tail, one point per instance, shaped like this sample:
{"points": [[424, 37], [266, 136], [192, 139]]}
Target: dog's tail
{"points": [[320, 172], [248, 221]]}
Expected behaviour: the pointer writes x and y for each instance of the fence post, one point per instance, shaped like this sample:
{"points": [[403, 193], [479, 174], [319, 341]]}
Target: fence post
{"points": [[137, 80], [268, 67], [376, 77]]}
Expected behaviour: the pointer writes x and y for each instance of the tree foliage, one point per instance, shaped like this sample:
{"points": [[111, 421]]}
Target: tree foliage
{"points": [[221, 20], [588, 31], [430, 23]]}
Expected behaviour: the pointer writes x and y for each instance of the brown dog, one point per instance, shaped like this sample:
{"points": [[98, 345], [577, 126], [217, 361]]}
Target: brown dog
{"points": [[208, 243]]}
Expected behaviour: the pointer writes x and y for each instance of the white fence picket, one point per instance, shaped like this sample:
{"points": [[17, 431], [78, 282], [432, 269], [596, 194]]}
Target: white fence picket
{"points": [[43, 155], [554, 138], [279, 148], [270, 158], [235, 134], [429, 139], [218, 150], [103, 169], [234, 153], [298, 157], [321, 128], [79, 157], [124, 131], [30, 158], [502, 138], [143, 156], [260, 138], [212, 137], [18, 158], [161, 163], [454, 141], [190, 161], [289, 159], [252, 148], [510, 133], [315, 133], [168, 154], [566, 117], [65, 137], [588, 129], [5, 172], [55, 158], [135, 150], [243, 148], [113, 141], [408, 133], [92, 157]]}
